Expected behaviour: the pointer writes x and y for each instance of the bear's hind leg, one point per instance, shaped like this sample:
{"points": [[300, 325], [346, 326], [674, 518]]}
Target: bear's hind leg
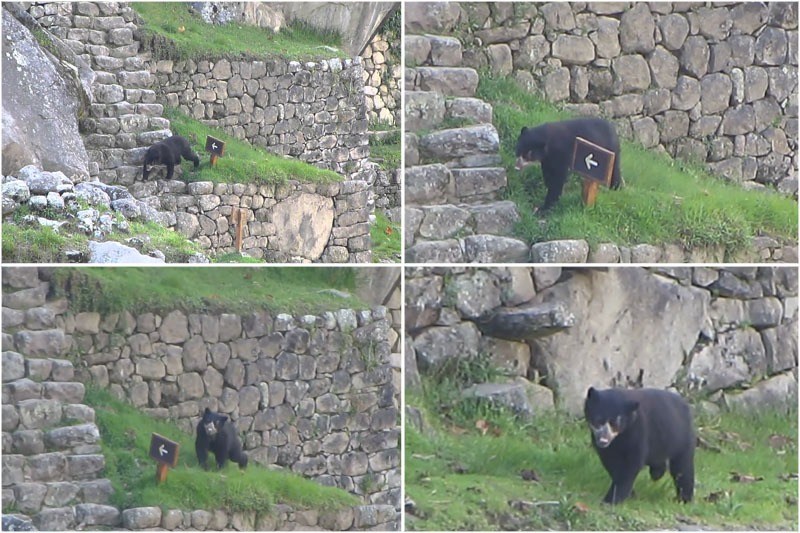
{"points": [[554, 177], [238, 456], [681, 467], [222, 457], [657, 470], [170, 170]]}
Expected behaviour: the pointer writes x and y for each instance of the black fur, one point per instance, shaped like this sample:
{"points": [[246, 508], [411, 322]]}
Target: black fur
{"points": [[653, 428], [168, 152], [552, 144], [225, 443]]}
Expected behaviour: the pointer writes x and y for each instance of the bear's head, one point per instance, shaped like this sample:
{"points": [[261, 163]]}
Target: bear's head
{"points": [[212, 422], [608, 414], [531, 146]]}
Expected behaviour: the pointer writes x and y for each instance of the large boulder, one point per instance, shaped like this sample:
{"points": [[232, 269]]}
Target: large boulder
{"points": [[41, 105], [304, 223], [631, 328]]}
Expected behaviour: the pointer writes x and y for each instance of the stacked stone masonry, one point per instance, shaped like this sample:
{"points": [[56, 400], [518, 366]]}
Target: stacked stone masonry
{"points": [[313, 111], [702, 81], [730, 333], [291, 222], [52, 461], [453, 175], [280, 518], [382, 76], [316, 395]]}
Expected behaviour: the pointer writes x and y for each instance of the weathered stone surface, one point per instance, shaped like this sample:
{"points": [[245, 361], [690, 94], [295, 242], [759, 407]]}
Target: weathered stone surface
{"points": [[450, 81], [736, 357], [92, 514], [573, 50], [141, 518], [459, 142], [774, 393], [13, 366], [637, 29], [174, 328], [438, 344], [527, 322], [563, 251], [495, 249], [304, 223]]}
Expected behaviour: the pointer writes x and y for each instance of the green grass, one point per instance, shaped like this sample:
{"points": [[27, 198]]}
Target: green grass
{"points": [[664, 201], [386, 155], [385, 239], [41, 244], [163, 20], [463, 480], [229, 289], [242, 162], [125, 439], [235, 257]]}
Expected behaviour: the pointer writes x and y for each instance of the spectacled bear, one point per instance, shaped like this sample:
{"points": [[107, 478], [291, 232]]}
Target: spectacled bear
{"points": [[632, 429], [168, 152], [216, 433], [553, 143]]}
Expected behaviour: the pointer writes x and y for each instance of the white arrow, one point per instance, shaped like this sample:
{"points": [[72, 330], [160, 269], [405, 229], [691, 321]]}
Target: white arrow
{"points": [[590, 162], [161, 450], [214, 147]]}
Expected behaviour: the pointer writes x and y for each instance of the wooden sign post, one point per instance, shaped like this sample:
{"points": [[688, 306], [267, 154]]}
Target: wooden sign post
{"points": [[216, 147], [239, 219], [595, 164], [164, 451]]}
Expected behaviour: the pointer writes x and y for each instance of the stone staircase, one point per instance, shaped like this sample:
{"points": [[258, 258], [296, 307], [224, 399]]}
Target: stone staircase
{"points": [[454, 178], [52, 460], [124, 118]]}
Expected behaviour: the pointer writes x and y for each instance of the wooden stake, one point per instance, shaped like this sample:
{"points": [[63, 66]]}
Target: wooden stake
{"points": [[238, 217], [161, 473], [590, 188], [214, 160]]}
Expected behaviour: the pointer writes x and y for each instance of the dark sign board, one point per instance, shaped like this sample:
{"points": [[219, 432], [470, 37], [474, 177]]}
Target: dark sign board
{"points": [[215, 146], [164, 450], [593, 161]]}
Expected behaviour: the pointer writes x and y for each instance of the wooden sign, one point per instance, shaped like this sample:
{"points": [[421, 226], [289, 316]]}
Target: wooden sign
{"points": [[164, 451], [595, 164], [216, 147]]}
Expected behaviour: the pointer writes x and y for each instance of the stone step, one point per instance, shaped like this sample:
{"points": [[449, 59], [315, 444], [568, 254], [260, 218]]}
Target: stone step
{"points": [[470, 146], [470, 249], [446, 221], [478, 182], [428, 184], [435, 50], [449, 81], [468, 108]]}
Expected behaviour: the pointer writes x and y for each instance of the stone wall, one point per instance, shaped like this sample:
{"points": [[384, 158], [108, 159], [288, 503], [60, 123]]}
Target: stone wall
{"points": [[280, 517], [728, 335], [314, 394], [313, 111], [716, 83], [387, 189], [382, 74], [292, 222]]}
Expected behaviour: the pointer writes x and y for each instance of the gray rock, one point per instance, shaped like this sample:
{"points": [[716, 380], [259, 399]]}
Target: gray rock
{"points": [[174, 328], [42, 343], [777, 392], [57, 519], [563, 251], [637, 30], [735, 358], [475, 293], [509, 395], [42, 131], [13, 366], [526, 322], [694, 56], [71, 436], [424, 109], [674, 29], [304, 222], [573, 50], [114, 252], [436, 345], [141, 518], [92, 514], [495, 249], [450, 81], [459, 142]]}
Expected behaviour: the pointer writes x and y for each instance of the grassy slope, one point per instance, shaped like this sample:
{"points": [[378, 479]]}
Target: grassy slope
{"points": [[126, 433], [462, 480], [233, 289], [664, 200], [385, 239], [198, 39], [242, 162], [41, 244]]}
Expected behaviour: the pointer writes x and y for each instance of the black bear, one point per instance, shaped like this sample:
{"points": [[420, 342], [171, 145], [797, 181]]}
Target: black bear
{"points": [[632, 429], [215, 433], [168, 152], [553, 143]]}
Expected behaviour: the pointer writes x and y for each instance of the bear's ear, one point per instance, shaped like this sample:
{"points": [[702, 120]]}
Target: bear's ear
{"points": [[222, 419], [206, 411], [524, 129], [590, 392]]}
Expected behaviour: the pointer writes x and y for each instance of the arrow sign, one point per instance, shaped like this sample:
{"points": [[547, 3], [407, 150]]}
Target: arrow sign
{"points": [[590, 162], [593, 161], [162, 450], [216, 147]]}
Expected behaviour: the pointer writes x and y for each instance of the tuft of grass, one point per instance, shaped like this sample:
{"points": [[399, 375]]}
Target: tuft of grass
{"points": [[198, 40], [664, 201], [37, 244], [386, 237], [235, 257], [230, 289], [242, 162], [125, 439], [462, 479], [386, 155], [176, 248]]}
